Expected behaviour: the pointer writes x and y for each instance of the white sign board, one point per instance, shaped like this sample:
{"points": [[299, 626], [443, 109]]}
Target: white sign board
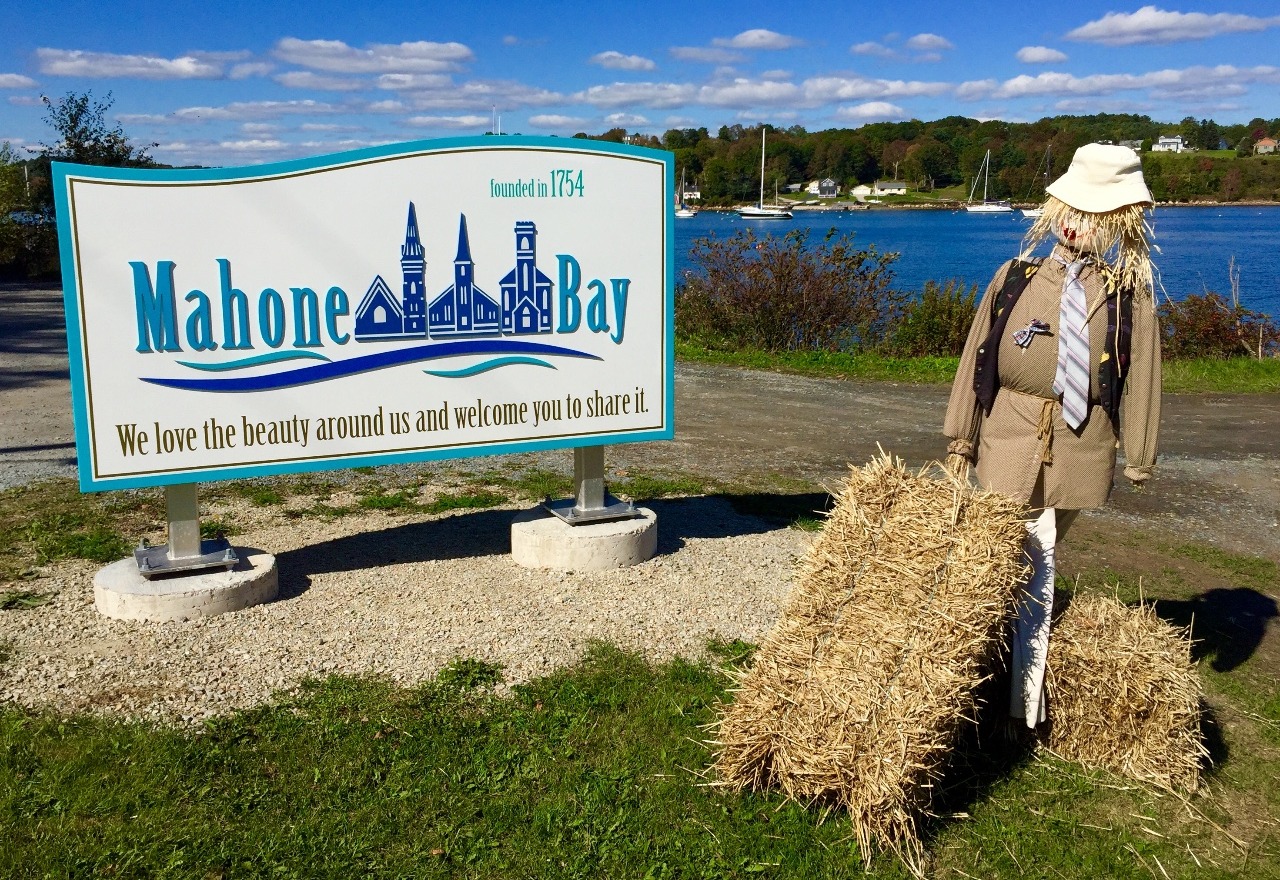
{"points": [[404, 303]]}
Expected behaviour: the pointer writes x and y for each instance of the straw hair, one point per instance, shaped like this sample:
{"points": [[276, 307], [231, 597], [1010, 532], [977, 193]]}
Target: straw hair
{"points": [[1124, 695], [858, 696], [1121, 239]]}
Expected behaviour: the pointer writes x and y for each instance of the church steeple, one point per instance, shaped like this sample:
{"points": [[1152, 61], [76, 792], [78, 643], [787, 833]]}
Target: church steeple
{"points": [[414, 266], [464, 242]]}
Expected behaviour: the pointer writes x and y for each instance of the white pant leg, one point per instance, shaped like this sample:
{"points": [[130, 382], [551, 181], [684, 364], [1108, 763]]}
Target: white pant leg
{"points": [[1031, 636]]}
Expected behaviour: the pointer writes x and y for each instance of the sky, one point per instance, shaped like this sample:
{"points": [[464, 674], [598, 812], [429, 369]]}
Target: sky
{"points": [[242, 83]]}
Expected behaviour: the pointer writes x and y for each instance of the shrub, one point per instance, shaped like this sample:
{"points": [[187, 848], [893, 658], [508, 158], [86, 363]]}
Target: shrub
{"points": [[937, 323], [780, 294], [1208, 327]]}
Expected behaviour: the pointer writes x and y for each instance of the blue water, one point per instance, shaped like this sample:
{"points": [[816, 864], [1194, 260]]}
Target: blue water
{"points": [[1196, 245]]}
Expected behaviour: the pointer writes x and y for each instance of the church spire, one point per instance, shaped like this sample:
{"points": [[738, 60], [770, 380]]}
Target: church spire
{"points": [[464, 242], [412, 248]]}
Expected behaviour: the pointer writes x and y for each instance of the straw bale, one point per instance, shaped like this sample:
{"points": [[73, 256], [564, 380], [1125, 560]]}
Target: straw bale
{"points": [[858, 695], [1124, 695]]}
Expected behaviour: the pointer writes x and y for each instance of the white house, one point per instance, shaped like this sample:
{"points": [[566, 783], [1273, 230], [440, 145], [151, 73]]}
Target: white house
{"points": [[890, 188], [861, 191], [1265, 145], [1168, 144]]}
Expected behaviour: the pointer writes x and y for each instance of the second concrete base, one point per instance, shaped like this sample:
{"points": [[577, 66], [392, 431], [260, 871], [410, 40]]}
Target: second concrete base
{"points": [[120, 591], [540, 540]]}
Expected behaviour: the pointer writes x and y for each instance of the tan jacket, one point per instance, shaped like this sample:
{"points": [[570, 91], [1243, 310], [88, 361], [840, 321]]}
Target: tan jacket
{"points": [[1024, 437]]}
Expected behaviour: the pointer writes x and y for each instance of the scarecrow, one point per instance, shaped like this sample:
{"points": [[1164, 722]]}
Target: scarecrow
{"points": [[1061, 365]]}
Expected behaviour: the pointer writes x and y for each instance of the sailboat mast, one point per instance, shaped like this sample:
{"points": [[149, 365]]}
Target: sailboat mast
{"points": [[760, 204]]}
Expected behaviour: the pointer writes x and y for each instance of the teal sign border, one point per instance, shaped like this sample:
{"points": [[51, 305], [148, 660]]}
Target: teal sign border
{"points": [[71, 299]]}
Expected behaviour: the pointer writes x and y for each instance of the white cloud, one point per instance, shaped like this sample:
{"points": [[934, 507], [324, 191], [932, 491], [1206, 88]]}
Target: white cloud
{"points": [[24, 100], [556, 121], [16, 81], [1152, 25], [630, 120], [644, 94], [328, 126], [336, 56], [776, 74], [482, 95], [451, 122], [251, 68], [705, 54], [758, 38], [1040, 55], [1161, 83], [407, 82], [306, 79], [73, 62], [618, 61], [834, 88], [254, 145], [929, 43], [143, 118], [388, 106], [259, 127], [872, 111], [871, 48], [253, 110], [510, 40], [749, 93]]}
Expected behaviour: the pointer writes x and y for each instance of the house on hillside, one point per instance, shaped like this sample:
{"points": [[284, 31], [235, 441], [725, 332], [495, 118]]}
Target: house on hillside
{"points": [[1264, 146], [890, 188], [825, 188], [1136, 146], [860, 192], [1165, 144]]}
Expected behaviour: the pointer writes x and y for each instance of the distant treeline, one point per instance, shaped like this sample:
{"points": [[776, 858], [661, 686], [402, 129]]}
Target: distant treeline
{"points": [[948, 153]]}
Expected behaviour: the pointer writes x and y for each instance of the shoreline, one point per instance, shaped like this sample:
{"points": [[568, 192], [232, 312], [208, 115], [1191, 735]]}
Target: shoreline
{"points": [[956, 206]]}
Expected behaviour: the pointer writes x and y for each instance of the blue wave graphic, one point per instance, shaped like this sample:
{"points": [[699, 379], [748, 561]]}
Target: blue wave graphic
{"points": [[272, 357], [486, 366], [368, 363]]}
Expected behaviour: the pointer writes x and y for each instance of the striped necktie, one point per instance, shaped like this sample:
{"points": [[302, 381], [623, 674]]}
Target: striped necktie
{"points": [[1072, 379]]}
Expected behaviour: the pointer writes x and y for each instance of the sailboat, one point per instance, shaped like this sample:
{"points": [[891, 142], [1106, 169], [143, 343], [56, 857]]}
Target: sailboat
{"points": [[1036, 213], [760, 211], [985, 206], [683, 211]]}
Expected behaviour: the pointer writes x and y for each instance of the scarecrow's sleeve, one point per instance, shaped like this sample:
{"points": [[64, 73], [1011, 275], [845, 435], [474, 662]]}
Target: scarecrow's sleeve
{"points": [[1140, 403], [963, 411]]}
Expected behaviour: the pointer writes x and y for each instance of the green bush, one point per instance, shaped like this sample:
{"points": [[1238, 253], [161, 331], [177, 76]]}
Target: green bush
{"points": [[778, 293], [936, 324], [1208, 327]]}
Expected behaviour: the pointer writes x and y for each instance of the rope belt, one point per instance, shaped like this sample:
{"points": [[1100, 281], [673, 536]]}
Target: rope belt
{"points": [[1045, 432]]}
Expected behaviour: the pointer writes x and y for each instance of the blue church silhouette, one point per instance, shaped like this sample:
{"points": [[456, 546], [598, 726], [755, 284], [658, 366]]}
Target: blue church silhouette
{"points": [[526, 292], [462, 309]]}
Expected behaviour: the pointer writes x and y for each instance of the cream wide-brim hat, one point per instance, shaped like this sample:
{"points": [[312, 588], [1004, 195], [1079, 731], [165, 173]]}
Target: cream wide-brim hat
{"points": [[1102, 178]]}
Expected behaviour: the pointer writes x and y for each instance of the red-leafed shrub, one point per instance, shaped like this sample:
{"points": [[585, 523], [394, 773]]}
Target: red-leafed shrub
{"points": [[1209, 327]]}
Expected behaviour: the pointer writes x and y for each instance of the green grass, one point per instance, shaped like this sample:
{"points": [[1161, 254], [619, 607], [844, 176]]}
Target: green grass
{"points": [[593, 771], [1202, 376], [13, 600]]}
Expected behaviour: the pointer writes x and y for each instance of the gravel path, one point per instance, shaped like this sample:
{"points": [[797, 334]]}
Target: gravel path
{"points": [[399, 597]]}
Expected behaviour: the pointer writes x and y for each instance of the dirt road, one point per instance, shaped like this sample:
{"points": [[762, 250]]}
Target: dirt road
{"points": [[1218, 479]]}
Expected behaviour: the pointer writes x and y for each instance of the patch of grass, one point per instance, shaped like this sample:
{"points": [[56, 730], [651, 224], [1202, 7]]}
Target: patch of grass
{"points": [[589, 772], [379, 500], [800, 510], [258, 493], [1240, 375], [52, 520], [644, 487], [468, 673], [212, 528], [12, 600], [534, 483], [7, 651], [838, 365], [476, 500], [1233, 376]]}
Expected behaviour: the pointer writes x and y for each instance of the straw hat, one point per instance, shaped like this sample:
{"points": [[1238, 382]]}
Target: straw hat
{"points": [[1102, 178]]}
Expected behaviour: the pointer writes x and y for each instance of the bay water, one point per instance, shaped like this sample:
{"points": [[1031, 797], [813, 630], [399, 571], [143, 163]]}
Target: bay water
{"points": [[1196, 245]]}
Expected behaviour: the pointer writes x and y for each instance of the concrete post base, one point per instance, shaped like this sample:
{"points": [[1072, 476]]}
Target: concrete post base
{"points": [[119, 591], [540, 540]]}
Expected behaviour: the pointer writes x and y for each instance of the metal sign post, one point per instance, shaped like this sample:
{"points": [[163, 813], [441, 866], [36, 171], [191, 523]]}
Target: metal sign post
{"points": [[592, 502], [185, 551]]}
